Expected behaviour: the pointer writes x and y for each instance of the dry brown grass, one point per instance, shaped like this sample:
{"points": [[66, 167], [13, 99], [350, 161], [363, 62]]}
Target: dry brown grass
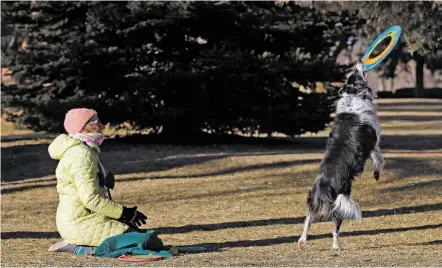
{"points": [[245, 203]]}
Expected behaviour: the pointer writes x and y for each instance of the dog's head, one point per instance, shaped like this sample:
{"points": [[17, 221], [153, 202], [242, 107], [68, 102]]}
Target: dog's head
{"points": [[357, 84]]}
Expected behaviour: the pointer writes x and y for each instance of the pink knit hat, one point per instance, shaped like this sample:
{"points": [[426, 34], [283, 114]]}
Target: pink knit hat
{"points": [[76, 119]]}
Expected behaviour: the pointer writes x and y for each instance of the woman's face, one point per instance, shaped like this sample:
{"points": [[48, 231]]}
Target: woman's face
{"points": [[93, 126]]}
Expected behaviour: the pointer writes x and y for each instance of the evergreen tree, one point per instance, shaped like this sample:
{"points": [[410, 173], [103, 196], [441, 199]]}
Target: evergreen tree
{"points": [[49, 67], [178, 67]]}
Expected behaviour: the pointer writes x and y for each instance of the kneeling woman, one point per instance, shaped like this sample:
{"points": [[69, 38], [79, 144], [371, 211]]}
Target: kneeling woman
{"points": [[86, 214]]}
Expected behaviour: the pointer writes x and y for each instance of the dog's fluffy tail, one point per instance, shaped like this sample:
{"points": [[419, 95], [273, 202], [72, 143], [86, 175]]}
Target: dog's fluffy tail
{"points": [[347, 208]]}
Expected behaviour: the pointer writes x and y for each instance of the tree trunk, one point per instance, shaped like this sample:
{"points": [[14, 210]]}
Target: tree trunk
{"points": [[419, 89], [382, 80]]}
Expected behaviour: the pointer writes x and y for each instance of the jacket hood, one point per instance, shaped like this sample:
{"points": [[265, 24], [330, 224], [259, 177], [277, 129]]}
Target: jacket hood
{"points": [[60, 145]]}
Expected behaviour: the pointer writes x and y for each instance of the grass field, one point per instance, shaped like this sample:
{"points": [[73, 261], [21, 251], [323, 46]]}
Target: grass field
{"points": [[245, 203]]}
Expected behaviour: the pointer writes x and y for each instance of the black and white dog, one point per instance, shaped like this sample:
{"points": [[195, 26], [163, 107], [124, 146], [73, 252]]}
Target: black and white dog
{"points": [[355, 135]]}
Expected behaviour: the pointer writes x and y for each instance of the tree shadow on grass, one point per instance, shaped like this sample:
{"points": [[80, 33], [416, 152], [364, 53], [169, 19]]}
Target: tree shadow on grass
{"points": [[404, 168], [412, 109], [26, 137], [429, 243], [26, 161], [27, 188], [27, 234], [39, 180], [405, 104], [421, 186], [415, 118], [411, 142], [389, 142]]}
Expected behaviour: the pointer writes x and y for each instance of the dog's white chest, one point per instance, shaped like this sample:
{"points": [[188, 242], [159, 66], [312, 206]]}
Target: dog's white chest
{"points": [[364, 108]]}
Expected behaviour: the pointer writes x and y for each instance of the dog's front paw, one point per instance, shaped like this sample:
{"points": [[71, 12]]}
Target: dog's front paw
{"points": [[376, 175]]}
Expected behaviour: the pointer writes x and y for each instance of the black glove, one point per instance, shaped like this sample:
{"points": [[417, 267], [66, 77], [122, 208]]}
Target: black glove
{"points": [[133, 216]]}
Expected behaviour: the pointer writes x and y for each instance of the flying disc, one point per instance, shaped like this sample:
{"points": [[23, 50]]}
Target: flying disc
{"points": [[394, 32], [139, 258]]}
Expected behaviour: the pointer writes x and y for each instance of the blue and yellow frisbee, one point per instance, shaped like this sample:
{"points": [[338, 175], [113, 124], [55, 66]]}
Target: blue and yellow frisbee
{"points": [[369, 63]]}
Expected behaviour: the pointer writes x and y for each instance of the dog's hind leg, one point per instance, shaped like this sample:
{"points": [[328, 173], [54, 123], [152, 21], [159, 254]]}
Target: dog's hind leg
{"points": [[378, 162], [337, 225], [303, 239]]}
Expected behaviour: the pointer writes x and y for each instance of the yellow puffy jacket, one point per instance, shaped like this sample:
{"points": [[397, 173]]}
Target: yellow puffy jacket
{"points": [[84, 215]]}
